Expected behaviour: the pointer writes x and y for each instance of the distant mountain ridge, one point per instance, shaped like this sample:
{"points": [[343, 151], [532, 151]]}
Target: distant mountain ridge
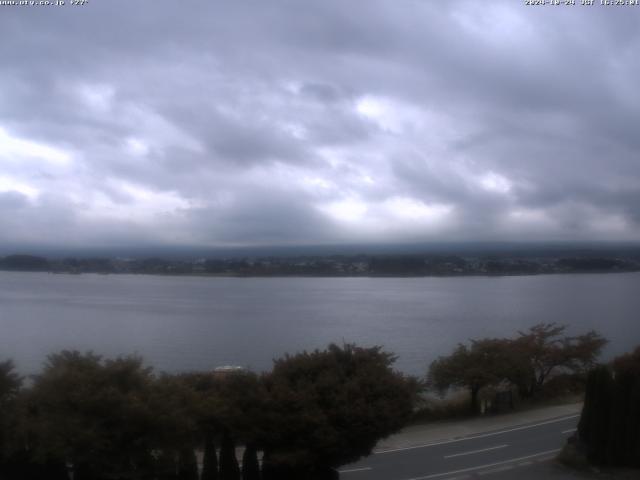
{"points": [[516, 249]]}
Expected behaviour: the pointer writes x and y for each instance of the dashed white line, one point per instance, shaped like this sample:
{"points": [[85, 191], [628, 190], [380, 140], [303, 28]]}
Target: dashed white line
{"points": [[481, 467], [544, 459], [475, 451], [496, 470], [353, 470], [571, 430], [473, 437]]}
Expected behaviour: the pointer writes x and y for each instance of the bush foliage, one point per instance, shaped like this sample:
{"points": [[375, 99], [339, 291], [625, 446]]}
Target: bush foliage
{"points": [[115, 419]]}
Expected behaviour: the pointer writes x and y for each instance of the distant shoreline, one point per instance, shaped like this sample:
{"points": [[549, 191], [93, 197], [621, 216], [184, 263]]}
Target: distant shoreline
{"points": [[237, 275], [334, 266]]}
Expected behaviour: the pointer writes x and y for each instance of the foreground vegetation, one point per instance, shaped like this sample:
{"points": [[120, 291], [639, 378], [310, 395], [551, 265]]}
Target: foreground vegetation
{"points": [[116, 419], [106, 419], [540, 360], [609, 429]]}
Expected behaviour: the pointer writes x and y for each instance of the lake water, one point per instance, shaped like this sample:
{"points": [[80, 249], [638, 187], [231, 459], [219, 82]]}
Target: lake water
{"points": [[183, 323]]}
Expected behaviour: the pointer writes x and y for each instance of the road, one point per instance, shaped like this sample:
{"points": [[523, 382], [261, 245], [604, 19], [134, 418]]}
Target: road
{"points": [[483, 454]]}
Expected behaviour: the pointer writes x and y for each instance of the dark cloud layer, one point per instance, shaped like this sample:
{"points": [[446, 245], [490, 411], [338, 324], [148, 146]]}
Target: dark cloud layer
{"points": [[287, 122]]}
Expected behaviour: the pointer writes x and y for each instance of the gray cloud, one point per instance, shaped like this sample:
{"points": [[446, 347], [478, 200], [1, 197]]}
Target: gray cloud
{"points": [[12, 201], [282, 122], [261, 216]]}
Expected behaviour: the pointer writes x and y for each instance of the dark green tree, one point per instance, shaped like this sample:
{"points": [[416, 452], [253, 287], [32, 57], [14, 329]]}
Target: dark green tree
{"points": [[174, 405], [17, 459], [327, 408], [239, 402], [593, 427], [232, 403], [10, 383], [166, 465], [94, 414], [609, 426], [250, 465], [209, 459], [187, 465], [624, 434], [229, 468]]}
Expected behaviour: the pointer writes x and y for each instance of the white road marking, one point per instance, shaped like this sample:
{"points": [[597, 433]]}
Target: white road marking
{"points": [[480, 467], [352, 470], [544, 459], [473, 437], [496, 470], [475, 451], [571, 430]]}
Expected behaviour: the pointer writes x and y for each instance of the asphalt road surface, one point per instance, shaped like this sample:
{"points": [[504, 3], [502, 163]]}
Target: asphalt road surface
{"points": [[481, 455]]}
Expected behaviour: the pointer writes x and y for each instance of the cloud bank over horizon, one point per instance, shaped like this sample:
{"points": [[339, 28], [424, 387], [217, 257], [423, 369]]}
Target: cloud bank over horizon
{"points": [[284, 122]]}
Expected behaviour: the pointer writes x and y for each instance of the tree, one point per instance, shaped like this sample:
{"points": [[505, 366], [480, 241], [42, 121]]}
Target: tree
{"points": [[609, 427], [199, 415], [165, 465], [10, 384], [10, 381], [229, 469], [483, 363], [594, 422], [187, 465], [327, 408], [94, 414], [526, 362], [231, 404], [250, 465], [542, 350], [209, 459], [175, 406], [625, 427], [237, 406]]}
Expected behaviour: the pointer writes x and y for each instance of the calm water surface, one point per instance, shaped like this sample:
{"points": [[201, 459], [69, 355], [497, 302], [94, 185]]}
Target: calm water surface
{"points": [[182, 323]]}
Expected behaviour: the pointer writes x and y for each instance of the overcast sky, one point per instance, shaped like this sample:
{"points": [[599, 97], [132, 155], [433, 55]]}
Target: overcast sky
{"points": [[262, 122]]}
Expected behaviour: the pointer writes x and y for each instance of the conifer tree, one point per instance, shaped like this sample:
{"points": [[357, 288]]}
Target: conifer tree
{"points": [[250, 465], [624, 441], [210, 459], [187, 465], [166, 466], [602, 391], [610, 423], [229, 469]]}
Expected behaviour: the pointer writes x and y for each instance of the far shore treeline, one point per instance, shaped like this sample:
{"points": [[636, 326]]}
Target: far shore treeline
{"points": [[496, 263], [314, 411]]}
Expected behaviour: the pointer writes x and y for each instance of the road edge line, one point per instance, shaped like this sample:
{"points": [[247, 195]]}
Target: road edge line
{"points": [[479, 467], [474, 436]]}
